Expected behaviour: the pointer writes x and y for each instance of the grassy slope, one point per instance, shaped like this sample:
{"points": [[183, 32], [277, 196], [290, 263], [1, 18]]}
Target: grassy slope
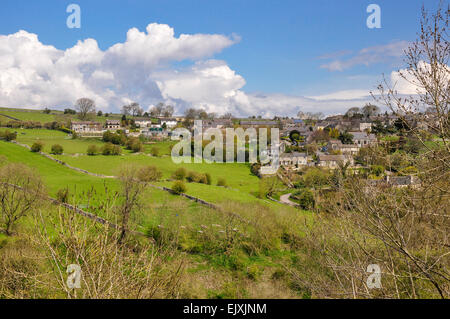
{"points": [[54, 175], [51, 137]]}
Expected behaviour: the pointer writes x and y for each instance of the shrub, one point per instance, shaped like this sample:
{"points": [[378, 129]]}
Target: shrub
{"points": [[377, 169], [116, 150], [255, 169], [107, 149], [92, 150], [179, 174], [208, 178], [202, 179], [154, 151], [222, 182], [194, 177], [57, 149], [63, 195], [178, 187], [37, 147], [137, 147], [8, 135], [149, 174], [306, 200]]}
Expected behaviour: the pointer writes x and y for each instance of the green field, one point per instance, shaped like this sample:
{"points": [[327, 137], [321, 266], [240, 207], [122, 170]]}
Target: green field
{"points": [[51, 137], [27, 115]]}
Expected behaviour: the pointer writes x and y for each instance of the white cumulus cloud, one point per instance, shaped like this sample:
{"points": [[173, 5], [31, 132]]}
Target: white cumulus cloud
{"points": [[144, 69]]}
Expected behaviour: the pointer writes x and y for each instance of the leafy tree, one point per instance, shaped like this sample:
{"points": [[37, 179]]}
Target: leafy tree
{"points": [[57, 149], [37, 147], [346, 138], [92, 150]]}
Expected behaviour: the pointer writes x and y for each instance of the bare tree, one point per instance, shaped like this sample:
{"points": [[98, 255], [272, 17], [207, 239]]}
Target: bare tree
{"points": [[133, 182], [352, 111], [404, 230], [20, 191], [370, 110], [157, 110], [85, 108], [126, 109], [167, 111]]}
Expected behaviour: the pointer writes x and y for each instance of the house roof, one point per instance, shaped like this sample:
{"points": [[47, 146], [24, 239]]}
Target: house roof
{"points": [[86, 123], [293, 154], [362, 135], [335, 158]]}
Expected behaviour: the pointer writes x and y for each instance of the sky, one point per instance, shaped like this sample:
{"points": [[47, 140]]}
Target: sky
{"points": [[246, 57]]}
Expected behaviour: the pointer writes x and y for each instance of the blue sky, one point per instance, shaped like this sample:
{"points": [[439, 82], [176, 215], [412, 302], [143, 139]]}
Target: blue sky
{"points": [[283, 45]]}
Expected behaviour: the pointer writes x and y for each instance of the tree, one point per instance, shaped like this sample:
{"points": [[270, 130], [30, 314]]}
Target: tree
{"points": [[21, 189], [37, 147], [167, 111], [351, 112], [92, 150], [404, 229], [126, 110], [149, 174], [85, 108], [131, 189], [57, 149], [136, 110], [157, 110], [370, 110], [346, 138]]}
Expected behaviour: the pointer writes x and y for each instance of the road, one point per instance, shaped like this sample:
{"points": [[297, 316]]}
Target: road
{"points": [[285, 199]]}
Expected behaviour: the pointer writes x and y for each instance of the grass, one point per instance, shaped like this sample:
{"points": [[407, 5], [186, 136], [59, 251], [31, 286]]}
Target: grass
{"points": [[26, 115], [51, 137], [237, 175], [54, 175]]}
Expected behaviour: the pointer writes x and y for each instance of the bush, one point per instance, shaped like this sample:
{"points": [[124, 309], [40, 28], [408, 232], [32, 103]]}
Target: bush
{"points": [[178, 187], [208, 178], [149, 174], [154, 151], [37, 147], [57, 149], [192, 177], [179, 174], [222, 182], [63, 195], [377, 169], [116, 150], [137, 147], [8, 135], [306, 199], [107, 148], [92, 150]]}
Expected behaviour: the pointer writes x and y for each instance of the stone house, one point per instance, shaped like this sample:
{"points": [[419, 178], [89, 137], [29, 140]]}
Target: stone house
{"points": [[86, 127], [112, 125], [294, 159], [345, 149], [362, 139], [332, 161]]}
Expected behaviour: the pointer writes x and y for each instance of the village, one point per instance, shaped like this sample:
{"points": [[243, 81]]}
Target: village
{"points": [[309, 140]]}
